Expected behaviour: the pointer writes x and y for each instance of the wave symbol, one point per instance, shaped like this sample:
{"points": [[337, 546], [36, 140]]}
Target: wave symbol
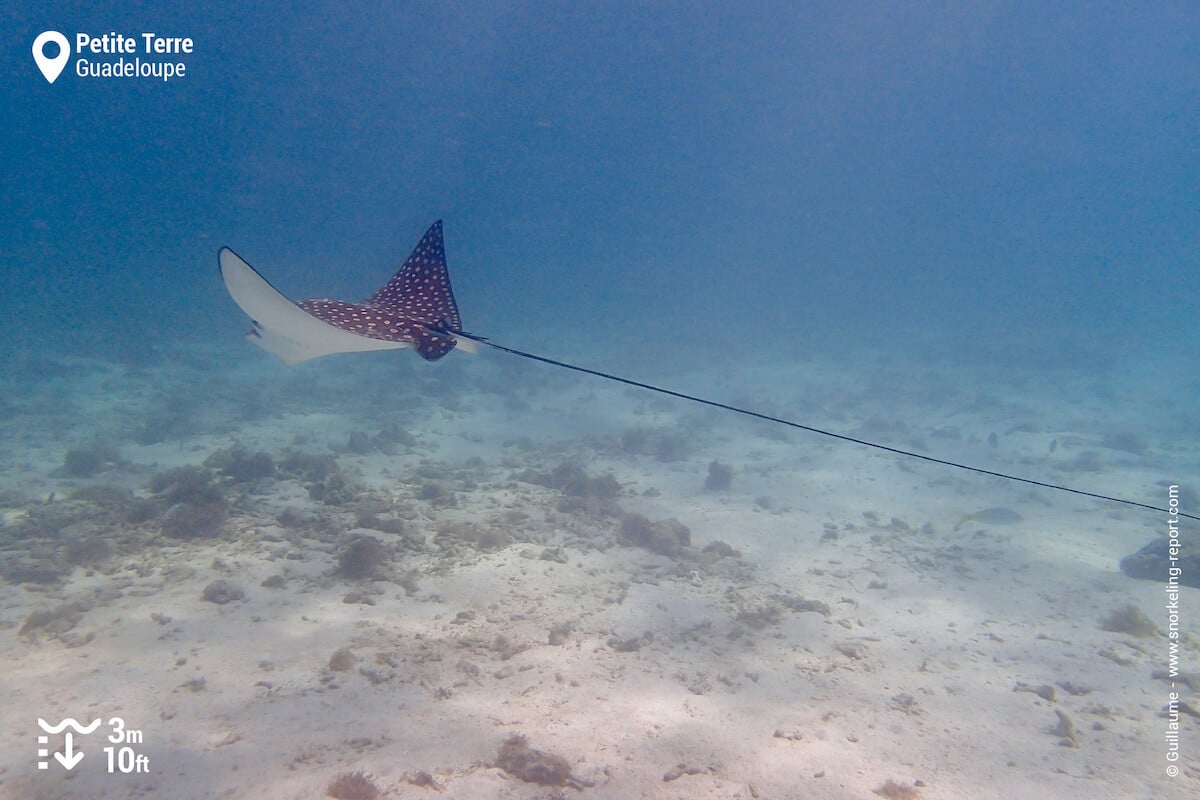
{"points": [[68, 723]]}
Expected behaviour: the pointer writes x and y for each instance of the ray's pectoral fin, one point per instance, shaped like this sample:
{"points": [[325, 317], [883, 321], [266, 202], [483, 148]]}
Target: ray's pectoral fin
{"points": [[283, 327]]}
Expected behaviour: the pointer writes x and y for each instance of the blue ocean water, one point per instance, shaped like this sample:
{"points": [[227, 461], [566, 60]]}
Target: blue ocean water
{"points": [[1012, 173], [666, 191]]}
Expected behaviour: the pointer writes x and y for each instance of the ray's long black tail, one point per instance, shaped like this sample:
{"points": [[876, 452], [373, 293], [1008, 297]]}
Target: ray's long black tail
{"points": [[842, 437]]}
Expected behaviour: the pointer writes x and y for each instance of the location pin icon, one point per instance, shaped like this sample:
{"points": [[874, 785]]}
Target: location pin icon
{"points": [[51, 67]]}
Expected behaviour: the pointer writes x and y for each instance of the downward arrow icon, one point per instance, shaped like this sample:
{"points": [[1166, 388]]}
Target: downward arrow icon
{"points": [[68, 757]]}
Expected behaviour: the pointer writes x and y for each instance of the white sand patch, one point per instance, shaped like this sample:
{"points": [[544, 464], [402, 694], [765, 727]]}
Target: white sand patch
{"points": [[867, 631]]}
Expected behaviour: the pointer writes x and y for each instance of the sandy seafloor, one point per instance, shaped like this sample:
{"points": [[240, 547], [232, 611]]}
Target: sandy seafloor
{"points": [[854, 628]]}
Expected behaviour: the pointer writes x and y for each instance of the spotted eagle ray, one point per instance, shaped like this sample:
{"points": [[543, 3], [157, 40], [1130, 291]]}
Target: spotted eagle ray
{"points": [[416, 309]]}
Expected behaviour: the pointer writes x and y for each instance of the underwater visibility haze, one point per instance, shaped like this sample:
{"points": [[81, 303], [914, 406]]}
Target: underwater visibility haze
{"points": [[417, 564]]}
